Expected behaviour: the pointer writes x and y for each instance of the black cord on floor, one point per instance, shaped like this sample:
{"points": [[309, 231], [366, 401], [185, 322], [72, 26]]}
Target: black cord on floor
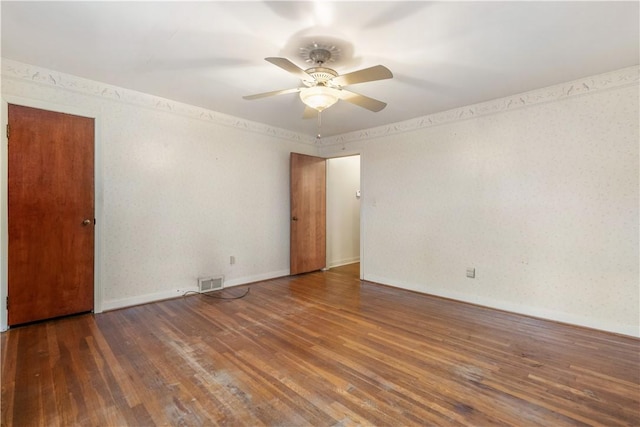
{"points": [[206, 294]]}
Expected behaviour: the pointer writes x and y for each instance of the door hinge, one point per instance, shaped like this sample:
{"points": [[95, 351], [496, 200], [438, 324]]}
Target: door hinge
{"points": [[7, 131], [7, 303]]}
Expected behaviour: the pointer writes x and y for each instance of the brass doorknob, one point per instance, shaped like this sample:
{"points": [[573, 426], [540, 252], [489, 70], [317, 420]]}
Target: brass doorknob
{"points": [[86, 222]]}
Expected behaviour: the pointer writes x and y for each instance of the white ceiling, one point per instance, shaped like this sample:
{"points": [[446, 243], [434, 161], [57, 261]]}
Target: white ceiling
{"points": [[443, 54]]}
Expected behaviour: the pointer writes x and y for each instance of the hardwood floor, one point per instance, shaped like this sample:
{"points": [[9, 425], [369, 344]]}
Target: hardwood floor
{"points": [[318, 349]]}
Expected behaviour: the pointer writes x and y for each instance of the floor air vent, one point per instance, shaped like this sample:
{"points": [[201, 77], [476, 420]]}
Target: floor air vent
{"points": [[208, 284]]}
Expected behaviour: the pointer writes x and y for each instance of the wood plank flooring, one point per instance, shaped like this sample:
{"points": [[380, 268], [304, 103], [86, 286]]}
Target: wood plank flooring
{"points": [[321, 349]]}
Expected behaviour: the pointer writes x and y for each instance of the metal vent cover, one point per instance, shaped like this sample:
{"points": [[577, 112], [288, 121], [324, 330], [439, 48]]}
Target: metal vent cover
{"points": [[210, 284]]}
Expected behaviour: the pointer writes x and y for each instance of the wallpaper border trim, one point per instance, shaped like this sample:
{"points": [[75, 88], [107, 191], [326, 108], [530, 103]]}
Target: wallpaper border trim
{"points": [[613, 79], [25, 72]]}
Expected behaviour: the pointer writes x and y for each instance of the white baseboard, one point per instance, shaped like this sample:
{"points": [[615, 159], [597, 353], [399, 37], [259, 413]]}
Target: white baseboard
{"points": [[630, 330], [144, 299], [342, 262], [174, 293], [257, 278]]}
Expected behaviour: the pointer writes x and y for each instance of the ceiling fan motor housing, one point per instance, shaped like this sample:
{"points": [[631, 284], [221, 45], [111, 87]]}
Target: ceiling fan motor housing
{"points": [[321, 75]]}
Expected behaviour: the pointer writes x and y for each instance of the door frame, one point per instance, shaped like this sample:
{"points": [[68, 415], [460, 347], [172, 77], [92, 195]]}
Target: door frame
{"points": [[348, 153], [4, 189]]}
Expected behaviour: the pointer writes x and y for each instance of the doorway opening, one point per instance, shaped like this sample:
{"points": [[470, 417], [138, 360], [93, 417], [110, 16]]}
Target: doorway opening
{"points": [[343, 212]]}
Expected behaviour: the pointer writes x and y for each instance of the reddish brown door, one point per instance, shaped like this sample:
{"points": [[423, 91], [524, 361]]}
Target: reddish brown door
{"points": [[308, 213], [51, 214]]}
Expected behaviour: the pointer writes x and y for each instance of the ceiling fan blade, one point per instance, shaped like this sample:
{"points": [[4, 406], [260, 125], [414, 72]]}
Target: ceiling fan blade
{"points": [[378, 72], [362, 101], [309, 113], [289, 66], [273, 93]]}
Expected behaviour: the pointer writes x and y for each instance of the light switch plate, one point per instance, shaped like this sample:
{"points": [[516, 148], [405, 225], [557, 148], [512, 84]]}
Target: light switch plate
{"points": [[471, 273]]}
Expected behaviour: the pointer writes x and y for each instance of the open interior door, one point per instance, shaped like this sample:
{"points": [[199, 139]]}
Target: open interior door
{"points": [[308, 213]]}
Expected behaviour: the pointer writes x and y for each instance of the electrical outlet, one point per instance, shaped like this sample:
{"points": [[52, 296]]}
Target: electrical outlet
{"points": [[471, 272], [232, 260]]}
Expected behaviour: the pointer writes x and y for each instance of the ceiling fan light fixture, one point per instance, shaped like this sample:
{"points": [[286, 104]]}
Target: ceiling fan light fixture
{"points": [[319, 97]]}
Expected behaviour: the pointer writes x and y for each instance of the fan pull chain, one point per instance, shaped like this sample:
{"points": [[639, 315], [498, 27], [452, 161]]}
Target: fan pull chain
{"points": [[318, 136]]}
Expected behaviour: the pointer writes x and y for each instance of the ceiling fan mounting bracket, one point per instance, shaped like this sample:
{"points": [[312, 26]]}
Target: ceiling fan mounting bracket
{"points": [[318, 53], [319, 56]]}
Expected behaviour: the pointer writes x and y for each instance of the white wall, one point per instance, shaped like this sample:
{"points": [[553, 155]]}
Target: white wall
{"points": [[542, 200], [181, 191], [540, 195], [343, 211]]}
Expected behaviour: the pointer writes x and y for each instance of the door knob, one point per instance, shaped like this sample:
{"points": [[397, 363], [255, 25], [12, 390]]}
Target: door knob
{"points": [[86, 222]]}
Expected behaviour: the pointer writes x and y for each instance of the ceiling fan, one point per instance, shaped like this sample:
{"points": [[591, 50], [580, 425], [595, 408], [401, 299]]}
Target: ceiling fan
{"points": [[323, 87]]}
